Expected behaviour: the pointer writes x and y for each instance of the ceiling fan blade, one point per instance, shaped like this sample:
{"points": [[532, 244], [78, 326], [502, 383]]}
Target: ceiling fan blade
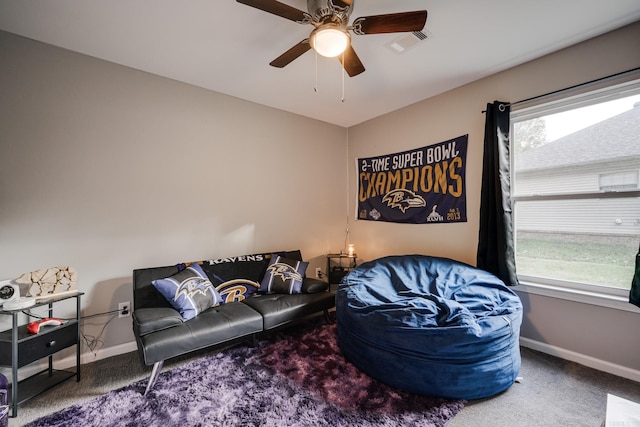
{"points": [[351, 63], [390, 23], [277, 8], [292, 54]]}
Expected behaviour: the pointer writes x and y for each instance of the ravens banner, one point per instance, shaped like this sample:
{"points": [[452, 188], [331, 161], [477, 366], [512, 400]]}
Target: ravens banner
{"points": [[425, 185]]}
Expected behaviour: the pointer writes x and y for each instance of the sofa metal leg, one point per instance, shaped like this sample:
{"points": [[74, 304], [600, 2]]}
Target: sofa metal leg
{"points": [[327, 317], [155, 373]]}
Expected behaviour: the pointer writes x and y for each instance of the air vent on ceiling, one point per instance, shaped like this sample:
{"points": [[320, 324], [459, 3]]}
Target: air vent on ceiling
{"points": [[406, 41]]}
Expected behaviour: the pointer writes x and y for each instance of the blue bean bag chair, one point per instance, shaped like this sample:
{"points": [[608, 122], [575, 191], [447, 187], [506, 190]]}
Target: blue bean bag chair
{"points": [[430, 326]]}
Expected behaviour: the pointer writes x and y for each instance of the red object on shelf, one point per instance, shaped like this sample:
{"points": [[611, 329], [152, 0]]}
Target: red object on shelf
{"points": [[34, 327]]}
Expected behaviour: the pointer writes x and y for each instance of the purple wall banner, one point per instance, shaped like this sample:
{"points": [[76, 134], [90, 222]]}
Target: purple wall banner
{"points": [[420, 186]]}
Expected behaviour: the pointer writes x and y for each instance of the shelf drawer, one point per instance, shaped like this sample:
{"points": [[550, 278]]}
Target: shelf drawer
{"points": [[50, 340]]}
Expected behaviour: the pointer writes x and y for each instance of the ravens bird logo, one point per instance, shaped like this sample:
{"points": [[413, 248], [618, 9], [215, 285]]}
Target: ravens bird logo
{"points": [[403, 199], [284, 271], [235, 289], [192, 286]]}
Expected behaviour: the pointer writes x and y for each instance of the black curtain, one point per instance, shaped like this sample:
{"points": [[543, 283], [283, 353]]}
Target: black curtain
{"points": [[634, 294], [496, 252]]}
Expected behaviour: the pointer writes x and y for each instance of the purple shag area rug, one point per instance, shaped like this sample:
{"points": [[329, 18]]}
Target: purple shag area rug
{"points": [[295, 378]]}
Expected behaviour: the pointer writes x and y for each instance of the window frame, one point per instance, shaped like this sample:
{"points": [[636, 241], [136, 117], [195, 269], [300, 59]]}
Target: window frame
{"points": [[602, 90], [632, 184]]}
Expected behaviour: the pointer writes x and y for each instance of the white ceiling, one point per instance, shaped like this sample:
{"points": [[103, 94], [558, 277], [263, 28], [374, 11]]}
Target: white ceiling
{"points": [[226, 46]]}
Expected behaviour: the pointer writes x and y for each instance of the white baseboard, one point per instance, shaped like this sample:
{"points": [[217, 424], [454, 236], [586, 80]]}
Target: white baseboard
{"points": [[69, 362], [591, 362], [100, 354]]}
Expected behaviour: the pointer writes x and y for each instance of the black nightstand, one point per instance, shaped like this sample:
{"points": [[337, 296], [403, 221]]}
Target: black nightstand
{"points": [[19, 348], [338, 265]]}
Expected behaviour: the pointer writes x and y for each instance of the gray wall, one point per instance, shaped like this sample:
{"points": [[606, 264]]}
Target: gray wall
{"points": [[107, 169], [600, 334]]}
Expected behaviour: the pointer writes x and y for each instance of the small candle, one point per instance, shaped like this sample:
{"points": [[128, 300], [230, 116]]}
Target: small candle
{"points": [[350, 249]]}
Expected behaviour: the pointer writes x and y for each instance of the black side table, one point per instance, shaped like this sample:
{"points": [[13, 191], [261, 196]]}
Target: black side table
{"points": [[19, 348], [338, 265]]}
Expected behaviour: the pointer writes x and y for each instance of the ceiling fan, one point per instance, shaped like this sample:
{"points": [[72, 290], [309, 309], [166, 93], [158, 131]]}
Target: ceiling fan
{"points": [[330, 36]]}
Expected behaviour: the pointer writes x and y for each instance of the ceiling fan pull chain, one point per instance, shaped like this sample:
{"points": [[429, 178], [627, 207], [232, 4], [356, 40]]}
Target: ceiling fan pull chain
{"points": [[342, 74], [315, 86]]}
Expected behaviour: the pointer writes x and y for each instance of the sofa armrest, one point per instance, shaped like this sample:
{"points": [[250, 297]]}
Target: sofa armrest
{"points": [[147, 320], [312, 286]]}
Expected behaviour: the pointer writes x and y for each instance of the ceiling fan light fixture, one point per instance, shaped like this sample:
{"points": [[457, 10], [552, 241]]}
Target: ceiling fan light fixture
{"points": [[329, 40]]}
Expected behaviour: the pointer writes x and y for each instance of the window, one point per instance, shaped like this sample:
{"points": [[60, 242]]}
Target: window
{"points": [[576, 162], [618, 181]]}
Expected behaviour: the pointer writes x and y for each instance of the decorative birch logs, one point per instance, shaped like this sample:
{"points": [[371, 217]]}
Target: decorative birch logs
{"points": [[48, 281]]}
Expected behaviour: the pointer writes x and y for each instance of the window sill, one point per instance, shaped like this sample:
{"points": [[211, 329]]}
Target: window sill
{"points": [[617, 302]]}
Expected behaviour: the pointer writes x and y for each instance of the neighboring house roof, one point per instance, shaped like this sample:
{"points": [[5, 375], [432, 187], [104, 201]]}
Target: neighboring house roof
{"points": [[615, 138]]}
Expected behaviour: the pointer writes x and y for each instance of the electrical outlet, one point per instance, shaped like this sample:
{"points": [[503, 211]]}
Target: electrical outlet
{"points": [[124, 309], [318, 273]]}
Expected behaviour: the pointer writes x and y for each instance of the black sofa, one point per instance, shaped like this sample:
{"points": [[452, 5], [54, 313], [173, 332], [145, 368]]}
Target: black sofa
{"points": [[161, 333]]}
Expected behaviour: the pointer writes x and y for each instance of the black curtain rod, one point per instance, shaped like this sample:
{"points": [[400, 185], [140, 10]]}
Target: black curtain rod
{"points": [[570, 87], [576, 86]]}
